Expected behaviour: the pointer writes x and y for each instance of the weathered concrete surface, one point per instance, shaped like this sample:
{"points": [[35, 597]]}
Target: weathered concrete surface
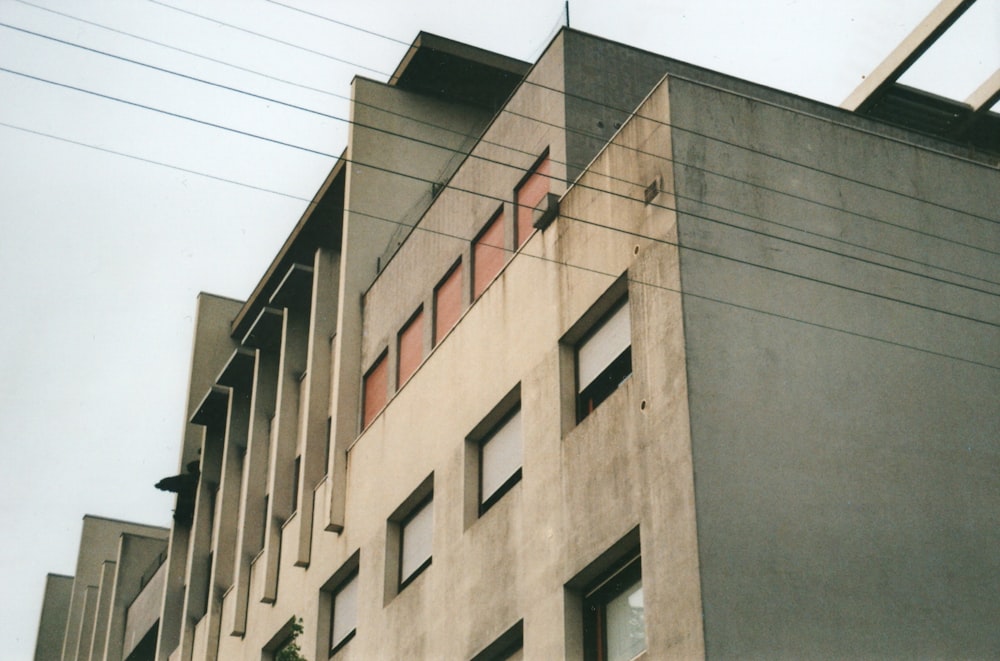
{"points": [[845, 443]]}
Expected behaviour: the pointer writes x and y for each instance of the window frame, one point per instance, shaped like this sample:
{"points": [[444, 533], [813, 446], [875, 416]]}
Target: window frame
{"points": [[438, 334], [332, 645], [515, 477], [381, 362], [619, 370], [479, 287], [612, 584], [542, 160], [427, 501], [416, 317]]}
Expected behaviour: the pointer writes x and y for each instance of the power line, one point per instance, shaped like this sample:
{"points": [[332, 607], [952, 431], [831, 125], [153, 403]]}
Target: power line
{"points": [[579, 132], [631, 113], [182, 50], [438, 146], [270, 38], [154, 162], [524, 253], [585, 268], [167, 112], [340, 23], [578, 219]]}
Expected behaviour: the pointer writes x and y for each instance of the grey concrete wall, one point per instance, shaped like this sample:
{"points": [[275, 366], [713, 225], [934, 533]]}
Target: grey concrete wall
{"points": [[140, 609], [211, 348], [52, 621], [844, 414], [605, 81], [98, 545]]}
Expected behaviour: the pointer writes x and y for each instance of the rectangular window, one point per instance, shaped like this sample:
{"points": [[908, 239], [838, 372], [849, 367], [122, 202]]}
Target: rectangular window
{"points": [[488, 254], [344, 613], [614, 626], [416, 542], [500, 458], [603, 359], [528, 195], [375, 389], [447, 302], [411, 347]]}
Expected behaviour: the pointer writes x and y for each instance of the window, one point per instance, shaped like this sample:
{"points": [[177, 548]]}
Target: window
{"points": [[284, 644], [614, 626], [447, 302], [529, 194], [488, 253], [603, 359], [375, 389], [500, 458], [411, 347], [344, 613], [416, 539]]}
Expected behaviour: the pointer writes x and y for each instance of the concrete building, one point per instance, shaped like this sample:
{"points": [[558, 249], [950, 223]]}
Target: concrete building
{"points": [[95, 614], [606, 357]]}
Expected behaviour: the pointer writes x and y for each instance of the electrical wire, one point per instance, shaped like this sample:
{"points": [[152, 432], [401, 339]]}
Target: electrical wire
{"points": [[166, 112], [568, 129], [154, 162], [630, 112], [438, 146], [477, 193], [270, 38], [565, 264]]}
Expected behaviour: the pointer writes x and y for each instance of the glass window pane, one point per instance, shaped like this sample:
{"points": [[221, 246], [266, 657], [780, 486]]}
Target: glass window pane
{"points": [[447, 303], [417, 541], [502, 455], [626, 626], [608, 341], [488, 255], [345, 612], [529, 195], [411, 347], [376, 384]]}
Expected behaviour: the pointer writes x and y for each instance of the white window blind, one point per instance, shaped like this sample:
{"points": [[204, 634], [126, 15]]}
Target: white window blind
{"points": [[607, 342], [345, 612], [418, 538], [502, 456]]}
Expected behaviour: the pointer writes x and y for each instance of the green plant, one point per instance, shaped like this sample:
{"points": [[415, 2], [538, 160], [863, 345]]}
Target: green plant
{"points": [[290, 650]]}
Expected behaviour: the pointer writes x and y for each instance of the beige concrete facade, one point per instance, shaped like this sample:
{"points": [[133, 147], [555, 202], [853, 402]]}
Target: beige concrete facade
{"points": [[287, 493], [91, 605]]}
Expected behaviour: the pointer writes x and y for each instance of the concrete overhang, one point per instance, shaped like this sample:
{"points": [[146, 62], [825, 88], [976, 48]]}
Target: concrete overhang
{"points": [[265, 330], [238, 372], [320, 226], [457, 72], [213, 406], [881, 95], [295, 289]]}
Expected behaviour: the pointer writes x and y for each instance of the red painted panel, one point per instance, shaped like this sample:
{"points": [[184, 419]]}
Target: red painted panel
{"points": [[411, 347], [447, 303], [529, 195], [376, 389], [487, 255]]}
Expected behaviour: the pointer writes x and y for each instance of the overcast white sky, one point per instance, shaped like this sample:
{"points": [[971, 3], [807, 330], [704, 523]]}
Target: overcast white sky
{"points": [[102, 256]]}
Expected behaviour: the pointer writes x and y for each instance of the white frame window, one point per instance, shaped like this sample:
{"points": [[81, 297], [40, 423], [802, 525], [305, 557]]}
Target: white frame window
{"points": [[501, 455], [603, 359], [416, 542]]}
